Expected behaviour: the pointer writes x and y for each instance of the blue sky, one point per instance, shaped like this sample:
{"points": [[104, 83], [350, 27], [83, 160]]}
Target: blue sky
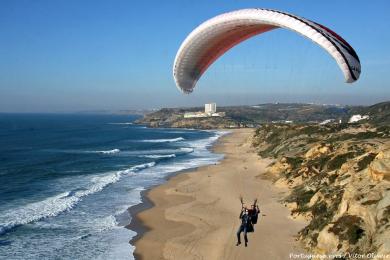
{"points": [[71, 55]]}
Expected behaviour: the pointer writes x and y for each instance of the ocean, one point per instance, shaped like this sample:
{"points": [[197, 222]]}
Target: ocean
{"points": [[67, 181]]}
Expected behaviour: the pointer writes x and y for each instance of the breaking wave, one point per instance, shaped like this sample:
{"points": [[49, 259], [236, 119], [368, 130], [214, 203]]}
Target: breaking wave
{"points": [[57, 204], [125, 123], [164, 140], [159, 156], [113, 151]]}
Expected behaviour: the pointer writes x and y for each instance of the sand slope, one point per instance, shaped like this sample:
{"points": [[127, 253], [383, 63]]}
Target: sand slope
{"points": [[196, 213]]}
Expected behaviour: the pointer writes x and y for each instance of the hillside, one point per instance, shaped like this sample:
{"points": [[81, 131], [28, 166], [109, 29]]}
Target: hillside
{"points": [[379, 113], [339, 181], [251, 116]]}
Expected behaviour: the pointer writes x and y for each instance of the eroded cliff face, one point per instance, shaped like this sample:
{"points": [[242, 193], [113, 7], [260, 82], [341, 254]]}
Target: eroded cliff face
{"points": [[339, 180]]}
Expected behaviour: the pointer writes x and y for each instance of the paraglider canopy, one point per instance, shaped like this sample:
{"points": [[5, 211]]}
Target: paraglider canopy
{"points": [[213, 38]]}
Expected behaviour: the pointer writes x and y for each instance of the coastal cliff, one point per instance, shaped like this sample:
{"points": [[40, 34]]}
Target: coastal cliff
{"points": [[338, 176]]}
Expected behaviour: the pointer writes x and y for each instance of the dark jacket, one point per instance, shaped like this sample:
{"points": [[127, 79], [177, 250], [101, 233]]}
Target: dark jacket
{"points": [[246, 221]]}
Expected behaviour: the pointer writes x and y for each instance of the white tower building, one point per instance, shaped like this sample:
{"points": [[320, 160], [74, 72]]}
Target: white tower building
{"points": [[210, 108]]}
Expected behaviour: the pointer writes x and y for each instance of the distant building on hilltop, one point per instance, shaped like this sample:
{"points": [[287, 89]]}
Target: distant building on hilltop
{"points": [[210, 110], [356, 118]]}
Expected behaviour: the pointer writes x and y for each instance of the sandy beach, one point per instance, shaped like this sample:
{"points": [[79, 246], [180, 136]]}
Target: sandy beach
{"points": [[195, 214]]}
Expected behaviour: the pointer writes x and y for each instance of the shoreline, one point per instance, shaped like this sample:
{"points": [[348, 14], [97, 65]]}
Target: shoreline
{"points": [[179, 218], [135, 224], [146, 203]]}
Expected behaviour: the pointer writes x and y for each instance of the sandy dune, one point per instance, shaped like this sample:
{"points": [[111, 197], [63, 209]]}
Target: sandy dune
{"points": [[196, 214]]}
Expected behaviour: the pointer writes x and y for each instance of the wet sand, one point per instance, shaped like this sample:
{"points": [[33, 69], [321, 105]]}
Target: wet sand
{"points": [[195, 214]]}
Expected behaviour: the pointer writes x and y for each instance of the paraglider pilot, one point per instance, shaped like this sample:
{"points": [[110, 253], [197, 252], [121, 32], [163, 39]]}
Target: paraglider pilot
{"points": [[246, 226], [248, 219]]}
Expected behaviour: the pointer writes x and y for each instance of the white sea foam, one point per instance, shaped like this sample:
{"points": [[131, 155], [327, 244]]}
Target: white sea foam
{"points": [[49, 207], [158, 156], [171, 140], [73, 151], [142, 166], [113, 151], [162, 170], [99, 183], [52, 206], [202, 144], [105, 223], [202, 156], [124, 123], [186, 150], [182, 150]]}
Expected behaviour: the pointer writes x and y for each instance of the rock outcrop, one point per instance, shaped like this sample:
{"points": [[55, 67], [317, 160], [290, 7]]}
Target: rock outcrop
{"points": [[339, 180], [379, 169]]}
